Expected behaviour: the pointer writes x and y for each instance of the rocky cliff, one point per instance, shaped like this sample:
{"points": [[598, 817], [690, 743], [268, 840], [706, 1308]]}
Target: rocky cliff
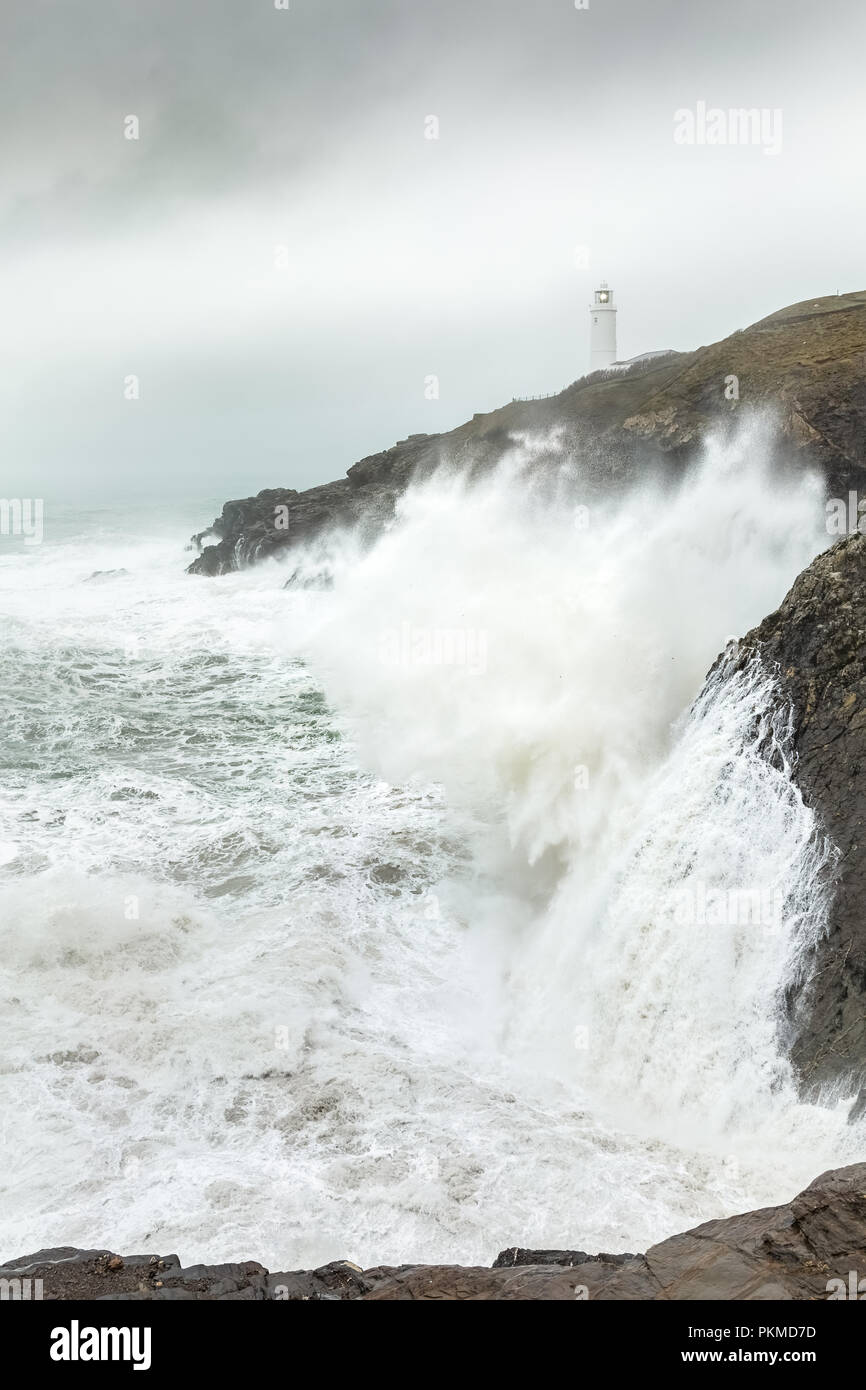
{"points": [[807, 363], [816, 644], [802, 1250]]}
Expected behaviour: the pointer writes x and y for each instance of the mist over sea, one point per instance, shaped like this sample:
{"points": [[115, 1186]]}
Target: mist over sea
{"points": [[365, 921]]}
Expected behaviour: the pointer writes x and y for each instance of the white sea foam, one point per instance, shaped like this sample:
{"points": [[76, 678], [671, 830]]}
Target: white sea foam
{"points": [[404, 973]]}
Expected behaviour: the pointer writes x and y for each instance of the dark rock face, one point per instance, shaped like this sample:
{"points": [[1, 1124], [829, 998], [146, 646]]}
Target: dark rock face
{"points": [[816, 642], [514, 1255], [807, 363], [278, 519], [795, 1251]]}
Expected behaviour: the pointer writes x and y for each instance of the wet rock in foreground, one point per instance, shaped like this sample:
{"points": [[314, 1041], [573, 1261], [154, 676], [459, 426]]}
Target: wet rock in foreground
{"points": [[791, 1252]]}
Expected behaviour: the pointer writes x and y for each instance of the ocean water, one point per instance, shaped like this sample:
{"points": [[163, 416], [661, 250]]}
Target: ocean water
{"points": [[383, 921]]}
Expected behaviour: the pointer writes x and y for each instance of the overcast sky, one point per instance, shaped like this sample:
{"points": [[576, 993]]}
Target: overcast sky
{"points": [[282, 258]]}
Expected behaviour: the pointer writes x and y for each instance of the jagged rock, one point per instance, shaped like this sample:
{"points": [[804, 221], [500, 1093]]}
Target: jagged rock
{"points": [[808, 362], [787, 1252], [340, 1279], [816, 643], [594, 1280], [255, 528], [507, 1259], [321, 579], [795, 1251]]}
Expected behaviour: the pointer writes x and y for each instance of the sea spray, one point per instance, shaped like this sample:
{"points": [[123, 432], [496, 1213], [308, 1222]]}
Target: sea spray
{"points": [[677, 967], [599, 622], [615, 807]]}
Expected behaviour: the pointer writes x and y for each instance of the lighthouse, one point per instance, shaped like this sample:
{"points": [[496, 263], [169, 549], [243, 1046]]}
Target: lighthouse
{"points": [[602, 328]]}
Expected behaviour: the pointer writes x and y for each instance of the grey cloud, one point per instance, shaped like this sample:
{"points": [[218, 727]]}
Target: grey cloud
{"points": [[407, 257]]}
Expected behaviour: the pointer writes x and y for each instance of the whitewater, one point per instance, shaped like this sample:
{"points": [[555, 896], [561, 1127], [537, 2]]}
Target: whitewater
{"points": [[361, 922]]}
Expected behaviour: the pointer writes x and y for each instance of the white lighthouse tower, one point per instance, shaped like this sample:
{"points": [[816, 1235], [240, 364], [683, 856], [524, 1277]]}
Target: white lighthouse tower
{"points": [[602, 328]]}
